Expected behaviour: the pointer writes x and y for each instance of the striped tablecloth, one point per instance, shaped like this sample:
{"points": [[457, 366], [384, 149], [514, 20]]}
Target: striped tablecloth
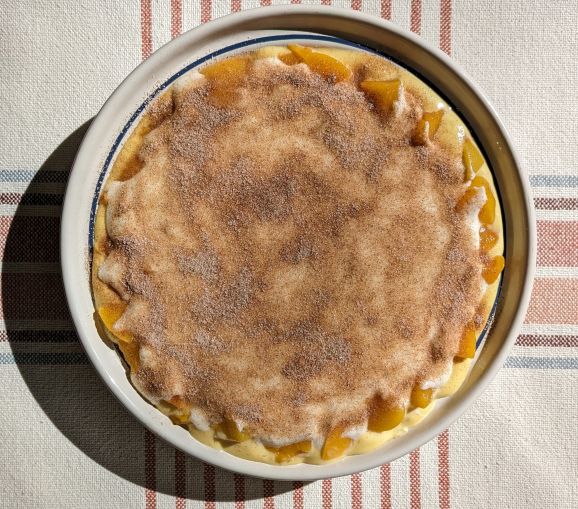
{"points": [[66, 442]]}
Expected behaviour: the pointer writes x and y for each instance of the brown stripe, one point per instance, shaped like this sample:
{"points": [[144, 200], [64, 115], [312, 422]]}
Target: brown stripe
{"points": [[356, 5], [176, 18], [326, 496], [557, 243], [554, 340], [414, 480], [556, 203], [325, 2], [239, 481], [180, 480], [146, 28], [206, 10], [298, 495], [415, 19], [210, 489], [268, 494], [385, 486], [150, 470], [446, 26], [386, 9], [356, 495], [554, 301], [444, 469]]}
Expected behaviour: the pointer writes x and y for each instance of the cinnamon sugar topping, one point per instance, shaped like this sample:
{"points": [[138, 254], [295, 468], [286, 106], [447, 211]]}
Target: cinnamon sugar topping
{"points": [[287, 254]]}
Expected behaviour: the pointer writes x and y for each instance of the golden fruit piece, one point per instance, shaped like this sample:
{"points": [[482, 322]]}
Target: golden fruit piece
{"points": [[289, 58], [492, 270], [288, 452], [179, 402], [383, 417], [230, 430], [384, 93], [421, 397], [427, 127], [465, 200], [472, 159], [229, 70], [322, 64], [467, 346], [487, 213], [488, 238], [335, 445], [109, 316], [130, 352]]}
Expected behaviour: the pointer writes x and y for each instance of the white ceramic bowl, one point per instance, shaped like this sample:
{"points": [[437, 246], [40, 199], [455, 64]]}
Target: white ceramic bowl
{"points": [[321, 26]]}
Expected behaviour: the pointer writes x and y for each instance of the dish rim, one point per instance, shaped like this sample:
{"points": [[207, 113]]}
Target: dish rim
{"points": [[71, 227]]}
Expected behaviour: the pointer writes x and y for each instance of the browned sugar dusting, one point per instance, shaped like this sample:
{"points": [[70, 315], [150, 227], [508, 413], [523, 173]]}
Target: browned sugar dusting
{"points": [[287, 253]]}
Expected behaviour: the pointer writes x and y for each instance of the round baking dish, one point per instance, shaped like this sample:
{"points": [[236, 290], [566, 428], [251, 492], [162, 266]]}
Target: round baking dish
{"points": [[315, 26]]}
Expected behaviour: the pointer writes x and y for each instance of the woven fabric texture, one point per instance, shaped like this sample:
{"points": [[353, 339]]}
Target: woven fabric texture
{"points": [[66, 441]]}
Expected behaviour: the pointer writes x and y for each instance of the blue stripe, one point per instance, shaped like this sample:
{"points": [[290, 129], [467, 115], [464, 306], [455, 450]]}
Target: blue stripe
{"points": [[542, 362], [36, 175], [43, 358], [554, 180]]}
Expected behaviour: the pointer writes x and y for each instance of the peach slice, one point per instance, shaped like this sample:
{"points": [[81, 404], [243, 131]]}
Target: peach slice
{"points": [[109, 316], [383, 93], [130, 352], [320, 63], [472, 159], [488, 238], [383, 417], [467, 198], [232, 432], [421, 397], [467, 346], [487, 213], [289, 58], [335, 445], [493, 268], [288, 452], [427, 127], [230, 70]]}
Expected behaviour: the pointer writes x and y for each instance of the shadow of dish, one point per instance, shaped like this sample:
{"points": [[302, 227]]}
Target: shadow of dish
{"points": [[53, 365]]}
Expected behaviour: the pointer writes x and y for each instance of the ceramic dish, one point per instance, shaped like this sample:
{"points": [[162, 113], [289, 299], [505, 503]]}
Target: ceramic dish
{"points": [[313, 26]]}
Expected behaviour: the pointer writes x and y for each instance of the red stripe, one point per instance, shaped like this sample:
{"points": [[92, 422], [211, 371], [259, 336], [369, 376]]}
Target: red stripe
{"points": [[385, 486], [415, 20], [386, 9], [146, 28], [297, 495], [295, 1], [444, 469], [356, 495], [180, 480], [325, 2], [446, 26], [210, 491], [414, 480], [150, 470], [264, 3], [556, 203], [239, 481], [206, 10], [553, 340], [356, 5], [235, 5], [268, 494], [557, 243], [326, 493], [176, 18], [554, 301]]}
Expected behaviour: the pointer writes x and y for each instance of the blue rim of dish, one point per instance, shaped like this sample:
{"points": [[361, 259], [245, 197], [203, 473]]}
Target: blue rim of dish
{"points": [[277, 38]]}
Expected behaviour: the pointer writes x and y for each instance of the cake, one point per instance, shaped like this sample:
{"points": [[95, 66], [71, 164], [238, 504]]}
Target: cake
{"points": [[295, 252]]}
